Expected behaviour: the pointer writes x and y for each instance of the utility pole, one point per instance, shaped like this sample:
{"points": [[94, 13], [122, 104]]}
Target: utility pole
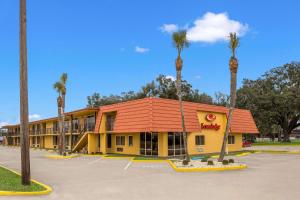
{"points": [[25, 158]]}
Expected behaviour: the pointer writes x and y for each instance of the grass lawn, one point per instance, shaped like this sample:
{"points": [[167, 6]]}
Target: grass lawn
{"points": [[293, 143], [10, 181]]}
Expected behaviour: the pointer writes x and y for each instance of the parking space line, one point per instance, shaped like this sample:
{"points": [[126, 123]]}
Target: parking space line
{"points": [[128, 164], [94, 161]]}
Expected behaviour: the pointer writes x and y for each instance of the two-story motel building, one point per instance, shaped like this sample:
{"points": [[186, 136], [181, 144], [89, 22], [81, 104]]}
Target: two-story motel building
{"points": [[149, 126]]}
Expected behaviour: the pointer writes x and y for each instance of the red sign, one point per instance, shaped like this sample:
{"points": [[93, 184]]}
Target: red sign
{"points": [[210, 126], [210, 117]]}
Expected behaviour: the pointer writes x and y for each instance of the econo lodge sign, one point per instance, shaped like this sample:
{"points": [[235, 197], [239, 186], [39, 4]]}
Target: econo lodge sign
{"points": [[210, 118]]}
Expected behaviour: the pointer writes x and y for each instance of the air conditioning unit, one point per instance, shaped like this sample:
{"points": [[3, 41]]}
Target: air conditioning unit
{"points": [[55, 146], [38, 145], [68, 147]]}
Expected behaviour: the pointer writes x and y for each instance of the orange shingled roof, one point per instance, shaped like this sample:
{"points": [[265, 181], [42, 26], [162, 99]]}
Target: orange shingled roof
{"points": [[162, 115]]}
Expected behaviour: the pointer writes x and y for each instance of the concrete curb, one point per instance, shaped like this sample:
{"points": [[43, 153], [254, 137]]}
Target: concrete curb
{"points": [[47, 190], [242, 166]]}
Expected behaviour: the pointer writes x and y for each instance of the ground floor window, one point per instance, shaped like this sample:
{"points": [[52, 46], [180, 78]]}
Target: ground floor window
{"points": [[130, 140], [120, 140], [199, 140], [175, 144], [231, 139], [149, 144]]}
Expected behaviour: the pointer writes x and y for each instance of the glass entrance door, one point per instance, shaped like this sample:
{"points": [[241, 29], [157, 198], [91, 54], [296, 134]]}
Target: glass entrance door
{"points": [[149, 144]]}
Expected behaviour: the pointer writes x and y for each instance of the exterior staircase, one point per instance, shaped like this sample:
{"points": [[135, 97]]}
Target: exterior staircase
{"points": [[81, 141]]}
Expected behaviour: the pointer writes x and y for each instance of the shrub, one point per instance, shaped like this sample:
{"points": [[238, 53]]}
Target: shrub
{"points": [[204, 160], [225, 162], [210, 162], [185, 162], [231, 160]]}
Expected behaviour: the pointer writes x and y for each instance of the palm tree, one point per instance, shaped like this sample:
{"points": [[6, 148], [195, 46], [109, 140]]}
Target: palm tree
{"points": [[180, 41], [60, 87], [233, 66], [25, 157]]}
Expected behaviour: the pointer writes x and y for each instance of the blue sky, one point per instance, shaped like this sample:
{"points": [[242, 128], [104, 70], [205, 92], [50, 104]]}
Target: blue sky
{"points": [[95, 42]]}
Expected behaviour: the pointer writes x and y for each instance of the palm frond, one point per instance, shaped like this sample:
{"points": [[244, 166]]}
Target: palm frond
{"points": [[233, 43], [64, 78], [180, 40], [58, 86]]}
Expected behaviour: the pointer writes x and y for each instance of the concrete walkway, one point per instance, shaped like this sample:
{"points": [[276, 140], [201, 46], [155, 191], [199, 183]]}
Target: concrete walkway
{"points": [[269, 177]]}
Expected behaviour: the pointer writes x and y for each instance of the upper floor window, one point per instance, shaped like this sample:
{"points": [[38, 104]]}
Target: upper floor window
{"points": [[110, 122]]}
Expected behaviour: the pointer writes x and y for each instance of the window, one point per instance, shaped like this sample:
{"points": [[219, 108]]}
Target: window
{"points": [[149, 144], [231, 139], [130, 140], [175, 144], [120, 140], [200, 140]]}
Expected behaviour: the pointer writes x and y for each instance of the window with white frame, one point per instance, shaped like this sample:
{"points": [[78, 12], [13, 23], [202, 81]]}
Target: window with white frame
{"points": [[200, 140], [120, 140], [130, 140]]}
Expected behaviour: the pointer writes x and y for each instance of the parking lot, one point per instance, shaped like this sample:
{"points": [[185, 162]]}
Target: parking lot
{"points": [[269, 176]]}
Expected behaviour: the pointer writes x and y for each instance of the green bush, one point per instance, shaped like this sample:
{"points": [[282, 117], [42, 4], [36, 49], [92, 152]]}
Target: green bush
{"points": [[225, 162], [185, 162], [204, 160], [231, 160], [210, 162]]}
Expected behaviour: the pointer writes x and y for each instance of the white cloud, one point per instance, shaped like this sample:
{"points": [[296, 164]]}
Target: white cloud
{"points": [[212, 28], [34, 117], [198, 77], [3, 124], [171, 77], [141, 49], [169, 28]]}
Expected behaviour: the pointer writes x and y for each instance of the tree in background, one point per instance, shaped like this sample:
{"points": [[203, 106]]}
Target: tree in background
{"points": [[60, 87], [180, 42], [233, 67], [162, 87], [221, 99], [274, 99]]}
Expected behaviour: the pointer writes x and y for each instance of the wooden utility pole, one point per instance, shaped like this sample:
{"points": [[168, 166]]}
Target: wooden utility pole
{"points": [[25, 158]]}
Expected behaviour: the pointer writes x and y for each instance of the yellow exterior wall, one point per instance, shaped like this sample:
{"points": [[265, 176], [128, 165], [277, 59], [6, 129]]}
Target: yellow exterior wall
{"points": [[92, 143], [103, 143], [162, 144], [213, 138], [134, 150], [48, 142]]}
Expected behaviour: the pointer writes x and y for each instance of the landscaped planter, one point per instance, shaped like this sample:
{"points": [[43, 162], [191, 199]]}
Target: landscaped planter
{"points": [[197, 165]]}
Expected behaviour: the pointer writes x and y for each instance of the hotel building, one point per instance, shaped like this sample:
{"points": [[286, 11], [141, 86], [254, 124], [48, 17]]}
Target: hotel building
{"points": [[148, 127]]}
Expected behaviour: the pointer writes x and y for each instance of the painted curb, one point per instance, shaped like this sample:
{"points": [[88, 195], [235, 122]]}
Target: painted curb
{"points": [[242, 166], [35, 193]]}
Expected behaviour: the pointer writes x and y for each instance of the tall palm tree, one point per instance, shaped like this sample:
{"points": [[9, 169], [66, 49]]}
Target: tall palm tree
{"points": [[25, 157], [233, 66], [60, 87], [180, 42]]}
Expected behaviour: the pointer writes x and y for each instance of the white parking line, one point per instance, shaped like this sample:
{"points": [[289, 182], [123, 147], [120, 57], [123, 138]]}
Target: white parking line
{"points": [[94, 161], [128, 164]]}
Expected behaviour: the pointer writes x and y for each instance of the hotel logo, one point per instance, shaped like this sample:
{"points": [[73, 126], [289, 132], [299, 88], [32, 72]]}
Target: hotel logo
{"points": [[210, 117]]}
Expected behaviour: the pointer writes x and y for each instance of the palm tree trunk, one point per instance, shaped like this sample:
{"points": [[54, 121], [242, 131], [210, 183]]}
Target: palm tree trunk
{"points": [[231, 108], [25, 156], [178, 76], [63, 122], [60, 129]]}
